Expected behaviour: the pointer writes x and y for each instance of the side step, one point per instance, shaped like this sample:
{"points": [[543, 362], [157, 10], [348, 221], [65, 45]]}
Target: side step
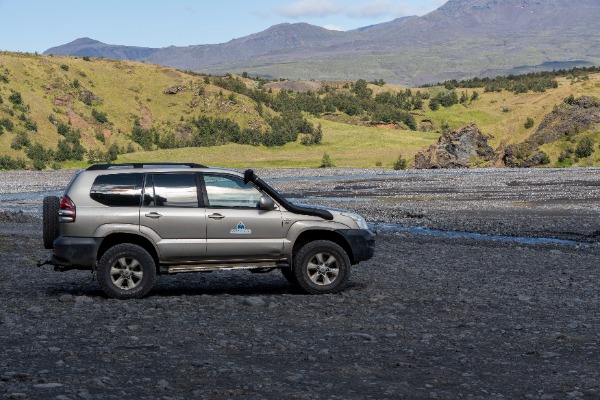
{"points": [[175, 269]]}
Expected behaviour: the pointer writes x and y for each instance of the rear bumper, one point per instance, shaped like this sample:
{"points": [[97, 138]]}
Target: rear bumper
{"points": [[75, 252], [362, 243]]}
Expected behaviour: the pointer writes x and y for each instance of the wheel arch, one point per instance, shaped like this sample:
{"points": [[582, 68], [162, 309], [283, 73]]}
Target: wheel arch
{"points": [[320, 234], [122, 237]]}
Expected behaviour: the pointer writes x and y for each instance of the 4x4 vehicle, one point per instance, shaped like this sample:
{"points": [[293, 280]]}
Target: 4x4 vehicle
{"points": [[130, 222]]}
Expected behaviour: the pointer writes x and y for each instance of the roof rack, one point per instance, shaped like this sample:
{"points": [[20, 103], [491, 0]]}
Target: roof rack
{"points": [[98, 167]]}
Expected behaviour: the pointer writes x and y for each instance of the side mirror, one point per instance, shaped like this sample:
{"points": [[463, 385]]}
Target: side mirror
{"points": [[266, 203]]}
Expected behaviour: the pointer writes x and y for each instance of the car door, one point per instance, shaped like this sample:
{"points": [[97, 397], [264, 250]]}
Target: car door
{"points": [[170, 210], [237, 229]]}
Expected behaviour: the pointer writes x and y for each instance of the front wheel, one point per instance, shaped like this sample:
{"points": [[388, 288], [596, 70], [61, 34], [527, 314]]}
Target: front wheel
{"points": [[126, 271], [321, 267]]}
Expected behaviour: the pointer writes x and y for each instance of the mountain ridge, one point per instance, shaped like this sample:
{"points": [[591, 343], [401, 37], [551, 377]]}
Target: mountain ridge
{"points": [[461, 39]]}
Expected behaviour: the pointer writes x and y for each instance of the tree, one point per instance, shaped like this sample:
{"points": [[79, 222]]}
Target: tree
{"points": [[15, 98], [326, 161], [585, 147], [361, 89], [401, 163]]}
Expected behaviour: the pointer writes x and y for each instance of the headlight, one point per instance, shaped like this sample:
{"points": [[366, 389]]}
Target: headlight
{"points": [[360, 221]]}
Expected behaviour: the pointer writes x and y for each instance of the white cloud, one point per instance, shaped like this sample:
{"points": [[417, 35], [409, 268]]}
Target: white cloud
{"points": [[363, 10], [310, 8], [332, 27], [370, 9]]}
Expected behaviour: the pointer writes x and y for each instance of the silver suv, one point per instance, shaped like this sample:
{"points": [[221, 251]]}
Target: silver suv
{"points": [[130, 222]]}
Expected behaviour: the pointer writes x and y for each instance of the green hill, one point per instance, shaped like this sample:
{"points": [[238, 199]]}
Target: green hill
{"points": [[99, 109]]}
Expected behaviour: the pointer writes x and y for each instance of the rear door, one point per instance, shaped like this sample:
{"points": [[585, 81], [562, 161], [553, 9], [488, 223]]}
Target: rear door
{"points": [[237, 229], [170, 209]]}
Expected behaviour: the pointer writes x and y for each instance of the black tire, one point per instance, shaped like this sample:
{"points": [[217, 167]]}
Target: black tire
{"points": [[288, 274], [50, 208], [126, 271], [321, 267]]}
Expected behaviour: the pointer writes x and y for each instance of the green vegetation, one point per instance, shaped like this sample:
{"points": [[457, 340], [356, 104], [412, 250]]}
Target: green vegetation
{"points": [[401, 163], [536, 82], [105, 110], [529, 123], [326, 161]]}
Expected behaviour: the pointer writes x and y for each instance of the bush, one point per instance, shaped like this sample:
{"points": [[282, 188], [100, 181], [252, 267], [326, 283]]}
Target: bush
{"points": [[7, 162], [20, 141], [401, 163], [326, 161], [64, 67], [529, 123], [15, 98], [99, 116], [585, 147], [7, 123]]}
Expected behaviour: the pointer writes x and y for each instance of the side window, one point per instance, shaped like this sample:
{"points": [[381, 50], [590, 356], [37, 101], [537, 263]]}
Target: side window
{"points": [[118, 190], [230, 191], [171, 190]]}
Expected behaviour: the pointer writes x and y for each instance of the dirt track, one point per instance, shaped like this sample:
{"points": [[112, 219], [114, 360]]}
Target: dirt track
{"points": [[428, 317]]}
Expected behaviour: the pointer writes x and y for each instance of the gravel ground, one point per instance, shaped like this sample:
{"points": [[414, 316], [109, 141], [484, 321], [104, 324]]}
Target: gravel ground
{"points": [[428, 317]]}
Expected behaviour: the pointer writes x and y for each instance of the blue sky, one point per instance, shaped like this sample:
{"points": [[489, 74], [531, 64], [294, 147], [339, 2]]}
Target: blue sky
{"points": [[36, 25]]}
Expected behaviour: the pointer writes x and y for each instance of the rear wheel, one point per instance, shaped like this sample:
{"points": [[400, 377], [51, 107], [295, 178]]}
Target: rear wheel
{"points": [[322, 267], [50, 208], [126, 271]]}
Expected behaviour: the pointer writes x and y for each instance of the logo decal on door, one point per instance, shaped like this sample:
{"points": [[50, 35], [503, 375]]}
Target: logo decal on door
{"points": [[241, 230]]}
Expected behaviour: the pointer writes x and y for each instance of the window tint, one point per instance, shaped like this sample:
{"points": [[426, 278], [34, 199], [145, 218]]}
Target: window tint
{"points": [[230, 191], [118, 190], [171, 190]]}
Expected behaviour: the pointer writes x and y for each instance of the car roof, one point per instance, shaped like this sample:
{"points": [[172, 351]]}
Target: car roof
{"points": [[100, 167]]}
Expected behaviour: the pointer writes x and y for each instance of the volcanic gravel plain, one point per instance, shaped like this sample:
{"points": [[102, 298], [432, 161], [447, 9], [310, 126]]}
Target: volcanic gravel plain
{"points": [[484, 285]]}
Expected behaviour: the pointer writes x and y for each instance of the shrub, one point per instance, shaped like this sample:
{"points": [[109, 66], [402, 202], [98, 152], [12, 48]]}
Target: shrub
{"points": [[64, 67], [585, 147], [7, 162], [99, 116], [86, 58], [20, 141], [15, 98], [326, 161], [7, 123], [529, 123], [401, 163]]}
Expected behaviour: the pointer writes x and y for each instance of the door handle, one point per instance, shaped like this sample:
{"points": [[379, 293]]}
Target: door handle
{"points": [[154, 215], [216, 216]]}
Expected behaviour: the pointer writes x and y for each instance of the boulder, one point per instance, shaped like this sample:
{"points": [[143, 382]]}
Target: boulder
{"points": [[456, 149]]}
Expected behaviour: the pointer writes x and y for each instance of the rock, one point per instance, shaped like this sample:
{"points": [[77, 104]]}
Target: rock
{"points": [[65, 298], [254, 301], [49, 385], [456, 149]]}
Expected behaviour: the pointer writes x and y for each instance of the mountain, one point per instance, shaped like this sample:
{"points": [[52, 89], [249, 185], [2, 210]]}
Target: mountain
{"points": [[94, 48], [461, 39]]}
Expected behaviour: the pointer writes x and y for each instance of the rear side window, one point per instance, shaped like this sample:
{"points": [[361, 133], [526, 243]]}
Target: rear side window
{"points": [[118, 190], [171, 190]]}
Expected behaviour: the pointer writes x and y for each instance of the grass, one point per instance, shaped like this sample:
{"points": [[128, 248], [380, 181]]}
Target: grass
{"points": [[347, 145], [129, 90]]}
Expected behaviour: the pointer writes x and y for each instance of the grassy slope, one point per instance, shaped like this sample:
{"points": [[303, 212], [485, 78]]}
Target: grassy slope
{"points": [[129, 90]]}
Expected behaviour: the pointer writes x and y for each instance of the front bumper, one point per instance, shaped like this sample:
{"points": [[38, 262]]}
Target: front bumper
{"points": [[75, 252], [362, 243]]}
